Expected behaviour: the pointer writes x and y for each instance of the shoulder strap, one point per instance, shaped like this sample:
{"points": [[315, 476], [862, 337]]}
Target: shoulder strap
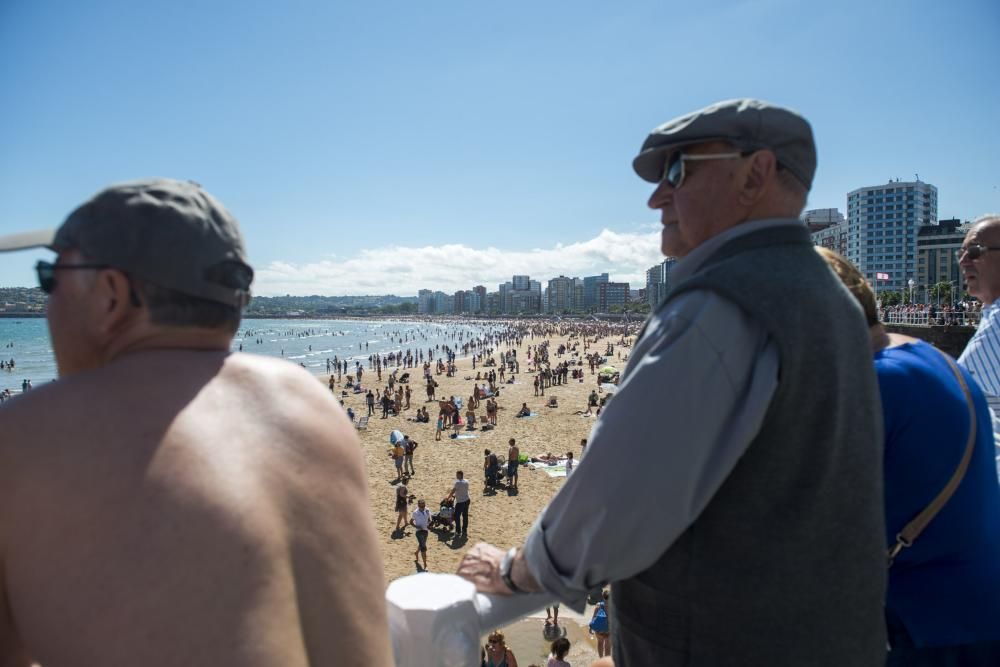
{"points": [[911, 531]]}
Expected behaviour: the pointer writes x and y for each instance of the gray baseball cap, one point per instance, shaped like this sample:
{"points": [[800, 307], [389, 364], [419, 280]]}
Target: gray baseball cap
{"points": [[169, 233], [747, 124]]}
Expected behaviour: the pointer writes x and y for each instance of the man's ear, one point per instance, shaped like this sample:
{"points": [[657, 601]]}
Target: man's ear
{"points": [[115, 305], [760, 171]]}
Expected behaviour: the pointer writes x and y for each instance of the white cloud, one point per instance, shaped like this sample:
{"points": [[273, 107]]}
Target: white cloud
{"points": [[404, 270]]}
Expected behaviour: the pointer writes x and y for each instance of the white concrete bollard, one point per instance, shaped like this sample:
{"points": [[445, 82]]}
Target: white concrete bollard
{"points": [[437, 620]]}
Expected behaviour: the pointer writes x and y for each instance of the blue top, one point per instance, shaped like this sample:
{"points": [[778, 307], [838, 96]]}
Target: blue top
{"points": [[946, 588]]}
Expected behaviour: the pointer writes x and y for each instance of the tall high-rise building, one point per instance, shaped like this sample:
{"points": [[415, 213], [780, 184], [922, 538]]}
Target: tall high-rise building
{"points": [[444, 304], [425, 302], [493, 303], [505, 289], [610, 295], [590, 284], [937, 257], [561, 296], [480, 290], [521, 296], [658, 281], [473, 304], [833, 237], [654, 281], [883, 221]]}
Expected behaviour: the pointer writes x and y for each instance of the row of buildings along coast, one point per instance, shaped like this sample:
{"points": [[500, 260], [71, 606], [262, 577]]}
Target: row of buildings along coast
{"points": [[523, 296], [891, 232]]}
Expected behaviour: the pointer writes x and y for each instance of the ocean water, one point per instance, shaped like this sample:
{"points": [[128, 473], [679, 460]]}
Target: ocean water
{"points": [[306, 342]]}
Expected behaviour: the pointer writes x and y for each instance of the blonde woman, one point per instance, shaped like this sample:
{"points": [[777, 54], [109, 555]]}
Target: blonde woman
{"points": [[497, 653]]}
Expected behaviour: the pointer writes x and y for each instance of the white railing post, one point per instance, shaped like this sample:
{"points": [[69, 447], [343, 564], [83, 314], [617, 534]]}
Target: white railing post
{"points": [[438, 620]]}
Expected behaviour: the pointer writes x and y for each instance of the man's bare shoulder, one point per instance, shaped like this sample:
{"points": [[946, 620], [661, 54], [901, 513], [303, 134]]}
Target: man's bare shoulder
{"points": [[26, 421], [290, 391]]}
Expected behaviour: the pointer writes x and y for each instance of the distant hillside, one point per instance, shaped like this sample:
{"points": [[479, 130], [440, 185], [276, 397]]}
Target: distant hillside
{"points": [[30, 301], [330, 306], [22, 301]]}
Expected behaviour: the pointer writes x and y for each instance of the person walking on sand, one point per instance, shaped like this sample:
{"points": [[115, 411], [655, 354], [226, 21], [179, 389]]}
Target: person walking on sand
{"points": [[409, 446], [440, 426], [421, 520], [397, 454], [460, 493], [513, 454], [401, 506], [187, 485], [599, 625]]}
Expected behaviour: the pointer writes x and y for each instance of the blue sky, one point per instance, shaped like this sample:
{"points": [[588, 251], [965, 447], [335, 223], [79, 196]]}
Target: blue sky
{"points": [[375, 147]]}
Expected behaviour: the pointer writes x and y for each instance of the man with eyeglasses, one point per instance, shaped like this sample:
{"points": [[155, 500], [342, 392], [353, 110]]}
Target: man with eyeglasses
{"points": [[979, 260], [752, 531], [166, 502]]}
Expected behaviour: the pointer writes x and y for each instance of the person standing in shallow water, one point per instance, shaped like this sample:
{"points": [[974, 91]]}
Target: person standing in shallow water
{"points": [[200, 471]]}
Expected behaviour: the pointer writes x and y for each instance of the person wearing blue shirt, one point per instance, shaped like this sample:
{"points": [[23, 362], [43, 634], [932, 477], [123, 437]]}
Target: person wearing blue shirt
{"points": [[943, 599]]}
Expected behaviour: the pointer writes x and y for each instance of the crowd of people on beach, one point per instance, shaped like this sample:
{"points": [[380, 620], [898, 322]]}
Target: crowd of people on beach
{"points": [[495, 354]]}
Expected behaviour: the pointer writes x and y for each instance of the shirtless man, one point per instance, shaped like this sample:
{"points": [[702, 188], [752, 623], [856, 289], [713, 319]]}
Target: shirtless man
{"points": [[166, 502], [513, 453]]}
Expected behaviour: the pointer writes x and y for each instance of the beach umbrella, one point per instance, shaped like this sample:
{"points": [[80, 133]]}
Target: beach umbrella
{"points": [[395, 436], [609, 370]]}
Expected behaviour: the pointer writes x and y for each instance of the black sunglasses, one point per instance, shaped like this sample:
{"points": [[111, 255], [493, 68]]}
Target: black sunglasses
{"points": [[47, 273], [975, 250], [47, 277], [674, 169]]}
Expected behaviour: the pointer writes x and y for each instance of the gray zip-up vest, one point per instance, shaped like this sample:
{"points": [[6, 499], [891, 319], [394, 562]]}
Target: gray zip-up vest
{"points": [[786, 564]]}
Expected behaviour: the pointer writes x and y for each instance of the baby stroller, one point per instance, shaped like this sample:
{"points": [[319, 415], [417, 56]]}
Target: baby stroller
{"points": [[445, 516]]}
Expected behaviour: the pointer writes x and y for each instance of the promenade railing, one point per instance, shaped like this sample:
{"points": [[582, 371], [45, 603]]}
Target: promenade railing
{"points": [[923, 318]]}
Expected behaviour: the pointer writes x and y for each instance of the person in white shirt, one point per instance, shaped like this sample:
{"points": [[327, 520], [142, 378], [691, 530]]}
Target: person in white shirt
{"points": [[460, 492], [979, 260], [421, 520]]}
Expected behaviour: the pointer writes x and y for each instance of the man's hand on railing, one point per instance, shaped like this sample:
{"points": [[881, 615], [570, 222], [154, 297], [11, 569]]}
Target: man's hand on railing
{"points": [[482, 566]]}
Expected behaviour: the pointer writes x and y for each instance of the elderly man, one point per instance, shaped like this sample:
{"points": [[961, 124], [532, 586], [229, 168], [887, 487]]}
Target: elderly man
{"points": [[752, 533], [980, 263], [166, 502]]}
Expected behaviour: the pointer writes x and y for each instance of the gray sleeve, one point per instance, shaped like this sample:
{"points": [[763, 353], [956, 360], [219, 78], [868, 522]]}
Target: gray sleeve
{"points": [[692, 398]]}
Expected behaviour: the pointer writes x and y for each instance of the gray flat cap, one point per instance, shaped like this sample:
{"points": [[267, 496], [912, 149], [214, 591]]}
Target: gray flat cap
{"points": [[170, 233], [747, 124]]}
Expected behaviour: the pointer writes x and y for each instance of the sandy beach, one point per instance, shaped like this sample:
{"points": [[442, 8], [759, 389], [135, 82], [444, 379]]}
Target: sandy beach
{"points": [[501, 518]]}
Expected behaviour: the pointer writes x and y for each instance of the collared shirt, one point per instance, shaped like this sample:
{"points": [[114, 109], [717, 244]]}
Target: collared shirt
{"points": [[421, 518], [692, 398], [981, 358]]}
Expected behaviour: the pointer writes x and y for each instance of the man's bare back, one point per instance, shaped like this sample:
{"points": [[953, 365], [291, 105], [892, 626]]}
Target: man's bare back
{"points": [[184, 507]]}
